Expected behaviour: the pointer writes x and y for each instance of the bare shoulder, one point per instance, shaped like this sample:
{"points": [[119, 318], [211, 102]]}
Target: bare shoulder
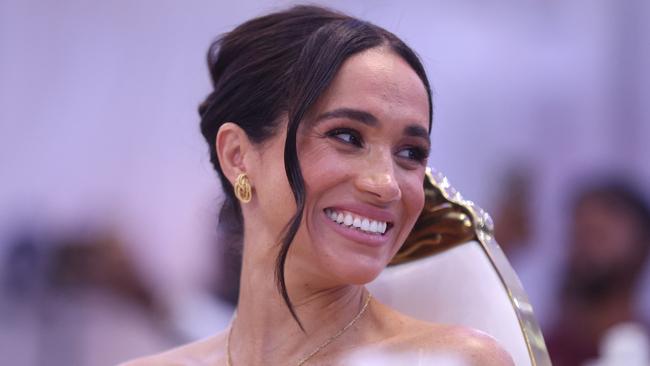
{"points": [[208, 351], [473, 346], [477, 347]]}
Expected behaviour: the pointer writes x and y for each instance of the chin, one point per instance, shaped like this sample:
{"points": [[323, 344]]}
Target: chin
{"points": [[359, 273], [347, 256]]}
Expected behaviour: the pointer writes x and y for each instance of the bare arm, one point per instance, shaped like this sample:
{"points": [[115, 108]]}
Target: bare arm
{"points": [[481, 349]]}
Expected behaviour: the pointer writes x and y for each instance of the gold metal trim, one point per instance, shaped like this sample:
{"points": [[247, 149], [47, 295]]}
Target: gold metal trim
{"points": [[447, 220]]}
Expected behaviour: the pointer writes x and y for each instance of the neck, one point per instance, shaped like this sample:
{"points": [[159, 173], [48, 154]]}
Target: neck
{"points": [[266, 333]]}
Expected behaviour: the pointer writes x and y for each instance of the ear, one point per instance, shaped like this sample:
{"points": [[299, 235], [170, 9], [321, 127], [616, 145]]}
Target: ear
{"points": [[232, 146]]}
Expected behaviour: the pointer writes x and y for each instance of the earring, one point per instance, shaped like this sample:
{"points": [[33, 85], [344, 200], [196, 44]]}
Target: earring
{"points": [[243, 188]]}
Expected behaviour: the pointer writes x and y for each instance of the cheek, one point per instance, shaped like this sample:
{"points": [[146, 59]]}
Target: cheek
{"points": [[322, 168], [277, 199], [413, 198], [276, 203], [274, 206]]}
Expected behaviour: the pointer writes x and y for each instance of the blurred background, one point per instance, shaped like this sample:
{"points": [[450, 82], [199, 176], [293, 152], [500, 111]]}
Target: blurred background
{"points": [[108, 203]]}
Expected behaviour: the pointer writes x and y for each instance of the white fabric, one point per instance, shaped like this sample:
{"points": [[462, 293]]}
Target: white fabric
{"points": [[457, 286]]}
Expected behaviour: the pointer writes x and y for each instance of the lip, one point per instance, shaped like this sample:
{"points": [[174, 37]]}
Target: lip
{"points": [[358, 236], [367, 211]]}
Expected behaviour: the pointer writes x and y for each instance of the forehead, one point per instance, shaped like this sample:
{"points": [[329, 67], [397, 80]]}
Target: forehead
{"points": [[382, 83]]}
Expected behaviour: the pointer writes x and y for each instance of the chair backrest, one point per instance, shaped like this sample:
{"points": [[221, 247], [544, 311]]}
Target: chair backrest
{"points": [[451, 270]]}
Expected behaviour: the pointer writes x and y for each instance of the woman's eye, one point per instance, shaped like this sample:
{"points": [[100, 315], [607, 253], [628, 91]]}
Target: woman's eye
{"points": [[413, 153], [345, 135]]}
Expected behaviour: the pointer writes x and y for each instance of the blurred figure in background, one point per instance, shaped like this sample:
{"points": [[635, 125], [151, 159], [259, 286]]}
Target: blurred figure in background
{"points": [[610, 241], [76, 299]]}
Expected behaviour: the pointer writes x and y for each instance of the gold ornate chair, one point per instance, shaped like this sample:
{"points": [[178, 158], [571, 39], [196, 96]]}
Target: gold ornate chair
{"points": [[451, 270]]}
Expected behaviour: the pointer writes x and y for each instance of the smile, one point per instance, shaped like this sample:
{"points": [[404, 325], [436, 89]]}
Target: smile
{"points": [[361, 223]]}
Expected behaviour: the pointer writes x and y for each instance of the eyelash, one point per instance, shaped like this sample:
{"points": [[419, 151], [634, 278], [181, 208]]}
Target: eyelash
{"points": [[419, 154], [341, 131]]}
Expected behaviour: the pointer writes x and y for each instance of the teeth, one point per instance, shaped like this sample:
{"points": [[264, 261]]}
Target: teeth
{"points": [[348, 220], [357, 222], [361, 223]]}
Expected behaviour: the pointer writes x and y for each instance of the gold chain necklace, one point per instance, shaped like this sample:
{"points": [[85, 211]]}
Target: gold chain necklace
{"points": [[319, 348]]}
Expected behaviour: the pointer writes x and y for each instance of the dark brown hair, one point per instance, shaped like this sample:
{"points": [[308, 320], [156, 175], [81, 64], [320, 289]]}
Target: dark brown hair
{"points": [[279, 65]]}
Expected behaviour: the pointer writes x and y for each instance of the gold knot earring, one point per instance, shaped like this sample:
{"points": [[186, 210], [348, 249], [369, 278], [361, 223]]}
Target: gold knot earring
{"points": [[243, 188]]}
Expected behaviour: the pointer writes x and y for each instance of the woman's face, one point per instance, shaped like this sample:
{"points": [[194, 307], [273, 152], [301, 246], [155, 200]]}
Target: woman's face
{"points": [[363, 151]]}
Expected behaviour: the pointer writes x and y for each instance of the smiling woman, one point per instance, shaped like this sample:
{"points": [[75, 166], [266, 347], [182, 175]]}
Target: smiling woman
{"points": [[361, 161], [318, 127]]}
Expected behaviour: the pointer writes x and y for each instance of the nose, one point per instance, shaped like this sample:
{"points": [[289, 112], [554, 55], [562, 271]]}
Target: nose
{"points": [[377, 177]]}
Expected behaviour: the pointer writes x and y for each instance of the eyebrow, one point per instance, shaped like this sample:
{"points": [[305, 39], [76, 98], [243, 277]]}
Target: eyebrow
{"points": [[366, 118], [349, 113], [417, 131]]}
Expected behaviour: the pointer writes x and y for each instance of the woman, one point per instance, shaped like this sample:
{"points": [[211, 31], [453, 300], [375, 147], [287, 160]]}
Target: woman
{"points": [[318, 127]]}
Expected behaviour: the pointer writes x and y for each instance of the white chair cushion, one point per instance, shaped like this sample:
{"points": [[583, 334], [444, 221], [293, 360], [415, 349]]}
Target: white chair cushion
{"points": [[457, 286]]}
